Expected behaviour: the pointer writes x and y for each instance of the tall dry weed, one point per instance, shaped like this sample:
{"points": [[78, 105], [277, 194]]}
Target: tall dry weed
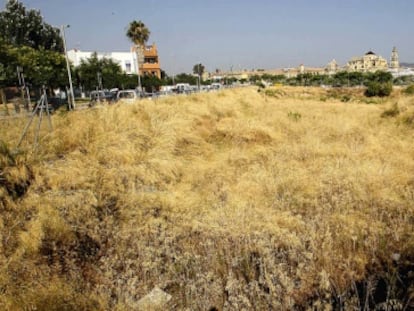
{"points": [[224, 200]]}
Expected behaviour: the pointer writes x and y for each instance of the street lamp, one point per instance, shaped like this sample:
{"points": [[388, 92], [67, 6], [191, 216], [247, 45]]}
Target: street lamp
{"points": [[72, 106]]}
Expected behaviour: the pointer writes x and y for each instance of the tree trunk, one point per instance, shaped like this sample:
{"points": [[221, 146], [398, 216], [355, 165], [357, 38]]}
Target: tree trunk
{"points": [[139, 51]]}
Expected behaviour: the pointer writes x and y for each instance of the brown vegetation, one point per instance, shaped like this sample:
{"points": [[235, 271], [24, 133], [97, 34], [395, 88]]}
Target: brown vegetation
{"points": [[235, 200]]}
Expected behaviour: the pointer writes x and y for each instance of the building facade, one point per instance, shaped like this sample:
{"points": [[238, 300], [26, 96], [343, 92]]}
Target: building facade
{"points": [[148, 59], [125, 60], [149, 63], [332, 67], [370, 62]]}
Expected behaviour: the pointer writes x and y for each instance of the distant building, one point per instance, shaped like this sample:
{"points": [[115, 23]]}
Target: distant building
{"points": [[125, 60], [394, 62], [368, 63], [301, 69], [149, 60], [332, 67]]}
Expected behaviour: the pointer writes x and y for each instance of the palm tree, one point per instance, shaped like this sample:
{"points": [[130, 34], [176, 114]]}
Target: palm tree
{"points": [[138, 33]]}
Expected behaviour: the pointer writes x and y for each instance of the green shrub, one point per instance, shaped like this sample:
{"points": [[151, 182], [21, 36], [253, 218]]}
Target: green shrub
{"points": [[345, 98], [409, 90], [378, 89]]}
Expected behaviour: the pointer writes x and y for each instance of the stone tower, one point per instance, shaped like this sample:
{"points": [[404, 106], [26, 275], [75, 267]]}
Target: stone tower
{"points": [[394, 63]]}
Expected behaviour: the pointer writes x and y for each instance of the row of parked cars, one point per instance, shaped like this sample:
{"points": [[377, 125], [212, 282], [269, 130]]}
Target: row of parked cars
{"points": [[115, 95]]}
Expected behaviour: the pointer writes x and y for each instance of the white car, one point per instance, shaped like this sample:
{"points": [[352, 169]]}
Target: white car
{"points": [[128, 96]]}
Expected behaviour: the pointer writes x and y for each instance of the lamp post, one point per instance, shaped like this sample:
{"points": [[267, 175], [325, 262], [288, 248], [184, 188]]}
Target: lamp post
{"points": [[72, 106]]}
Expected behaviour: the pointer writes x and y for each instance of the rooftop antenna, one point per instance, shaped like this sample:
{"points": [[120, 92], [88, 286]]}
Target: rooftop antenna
{"points": [[41, 108]]}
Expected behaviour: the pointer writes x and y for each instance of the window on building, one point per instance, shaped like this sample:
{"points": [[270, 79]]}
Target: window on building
{"points": [[128, 66], [150, 60]]}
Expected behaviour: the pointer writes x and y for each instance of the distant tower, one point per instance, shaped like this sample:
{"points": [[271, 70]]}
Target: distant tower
{"points": [[332, 67], [394, 63]]}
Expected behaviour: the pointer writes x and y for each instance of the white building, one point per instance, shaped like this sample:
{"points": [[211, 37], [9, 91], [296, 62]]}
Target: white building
{"points": [[127, 60], [401, 72]]}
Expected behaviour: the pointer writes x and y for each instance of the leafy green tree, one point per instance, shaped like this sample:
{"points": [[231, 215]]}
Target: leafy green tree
{"points": [[198, 69], [341, 79], [28, 42], [22, 27], [404, 80], [4, 64], [151, 83], [86, 74], [355, 78], [139, 34], [40, 67], [255, 78], [185, 78], [127, 81], [2, 79], [166, 79], [383, 76]]}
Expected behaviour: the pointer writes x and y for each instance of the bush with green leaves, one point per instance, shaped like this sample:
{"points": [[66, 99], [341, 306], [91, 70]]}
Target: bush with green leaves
{"points": [[379, 89], [409, 90]]}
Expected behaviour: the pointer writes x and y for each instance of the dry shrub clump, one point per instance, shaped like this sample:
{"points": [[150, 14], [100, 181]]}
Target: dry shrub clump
{"points": [[225, 201]]}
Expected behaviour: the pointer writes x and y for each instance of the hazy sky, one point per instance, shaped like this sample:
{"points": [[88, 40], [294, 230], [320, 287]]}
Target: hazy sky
{"points": [[238, 34]]}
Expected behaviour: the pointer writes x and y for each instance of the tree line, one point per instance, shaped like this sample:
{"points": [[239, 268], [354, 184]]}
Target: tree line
{"points": [[339, 79], [28, 42]]}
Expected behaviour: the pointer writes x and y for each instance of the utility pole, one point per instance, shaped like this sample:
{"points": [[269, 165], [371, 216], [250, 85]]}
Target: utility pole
{"points": [[72, 95]]}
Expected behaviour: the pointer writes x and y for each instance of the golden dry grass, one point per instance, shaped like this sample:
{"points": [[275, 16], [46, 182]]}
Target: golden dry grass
{"points": [[231, 200]]}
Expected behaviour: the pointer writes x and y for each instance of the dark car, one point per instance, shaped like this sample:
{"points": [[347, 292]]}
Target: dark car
{"points": [[101, 96]]}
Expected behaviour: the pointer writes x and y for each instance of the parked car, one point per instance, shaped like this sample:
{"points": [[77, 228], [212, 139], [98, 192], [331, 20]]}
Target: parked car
{"points": [[101, 96], [182, 88], [128, 96], [216, 86]]}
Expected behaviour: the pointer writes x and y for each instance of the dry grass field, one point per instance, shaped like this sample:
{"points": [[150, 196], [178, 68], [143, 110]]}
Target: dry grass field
{"points": [[285, 199]]}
